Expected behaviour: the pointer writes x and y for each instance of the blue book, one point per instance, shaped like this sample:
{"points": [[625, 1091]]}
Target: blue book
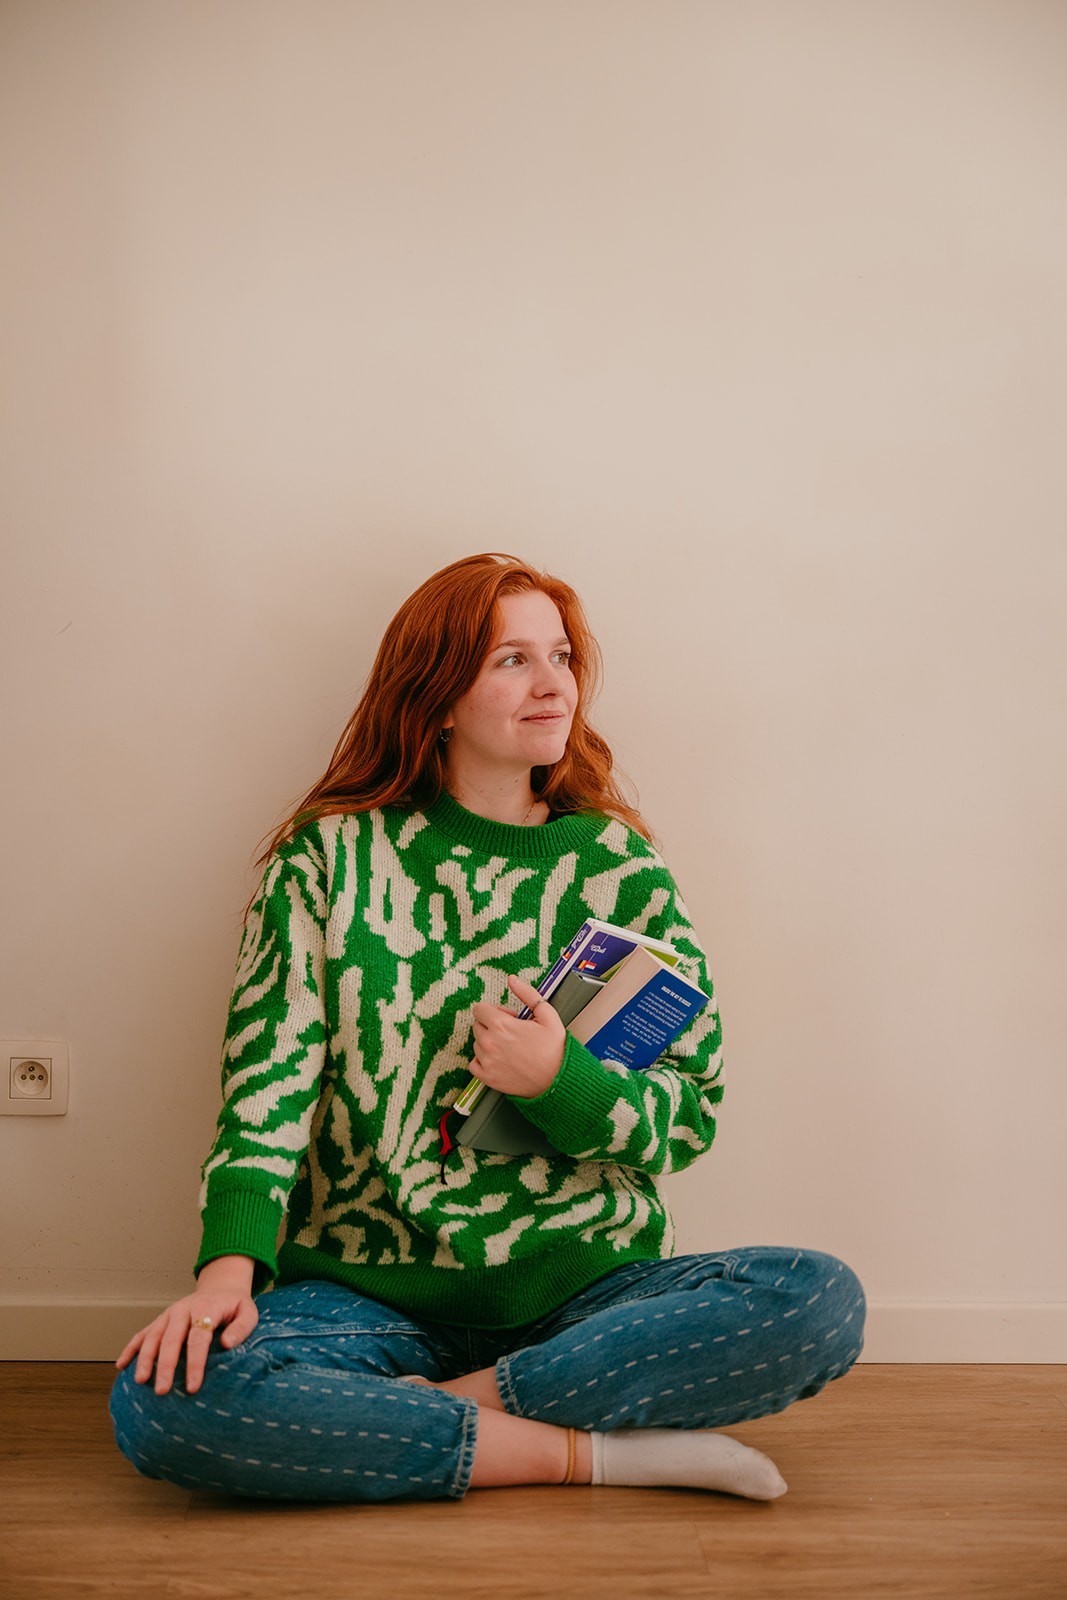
{"points": [[639, 1012]]}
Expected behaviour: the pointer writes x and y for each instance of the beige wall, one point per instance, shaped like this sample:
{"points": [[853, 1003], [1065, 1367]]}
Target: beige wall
{"points": [[750, 320]]}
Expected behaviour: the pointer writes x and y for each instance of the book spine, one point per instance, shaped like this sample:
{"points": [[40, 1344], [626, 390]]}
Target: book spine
{"points": [[567, 959]]}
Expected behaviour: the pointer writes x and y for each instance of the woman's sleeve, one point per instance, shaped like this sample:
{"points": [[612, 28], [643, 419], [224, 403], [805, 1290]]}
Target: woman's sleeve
{"points": [[272, 1059], [658, 1120]]}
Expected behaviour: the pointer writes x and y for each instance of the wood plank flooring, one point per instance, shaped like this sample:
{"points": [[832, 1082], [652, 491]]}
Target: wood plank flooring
{"points": [[904, 1481]]}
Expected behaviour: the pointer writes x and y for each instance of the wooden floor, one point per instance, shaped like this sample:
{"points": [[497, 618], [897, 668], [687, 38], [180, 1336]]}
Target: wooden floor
{"points": [[903, 1481]]}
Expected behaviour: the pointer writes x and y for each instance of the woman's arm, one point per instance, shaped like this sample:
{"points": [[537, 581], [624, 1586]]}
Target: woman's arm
{"points": [[273, 1059], [659, 1120], [272, 1067], [223, 1296]]}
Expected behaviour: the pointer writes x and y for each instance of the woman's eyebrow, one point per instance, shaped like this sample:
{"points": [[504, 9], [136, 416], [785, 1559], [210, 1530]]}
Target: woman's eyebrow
{"points": [[527, 644]]}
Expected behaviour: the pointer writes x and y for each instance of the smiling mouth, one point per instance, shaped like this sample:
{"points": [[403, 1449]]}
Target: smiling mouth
{"points": [[545, 716]]}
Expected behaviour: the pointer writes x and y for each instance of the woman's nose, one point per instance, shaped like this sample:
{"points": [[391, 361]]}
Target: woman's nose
{"points": [[546, 678]]}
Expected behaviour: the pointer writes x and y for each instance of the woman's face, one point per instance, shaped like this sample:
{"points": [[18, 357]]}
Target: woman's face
{"points": [[517, 713]]}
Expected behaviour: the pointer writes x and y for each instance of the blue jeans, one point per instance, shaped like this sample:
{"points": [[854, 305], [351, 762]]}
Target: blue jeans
{"points": [[310, 1406]]}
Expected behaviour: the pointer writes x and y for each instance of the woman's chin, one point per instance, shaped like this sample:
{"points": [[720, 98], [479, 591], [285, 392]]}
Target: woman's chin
{"points": [[545, 751]]}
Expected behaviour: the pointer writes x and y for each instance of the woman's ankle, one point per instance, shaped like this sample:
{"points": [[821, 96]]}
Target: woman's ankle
{"points": [[582, 1447]]}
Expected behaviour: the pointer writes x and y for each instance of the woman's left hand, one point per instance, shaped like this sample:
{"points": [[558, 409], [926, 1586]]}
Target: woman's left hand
{"points": [[518, 1055]]}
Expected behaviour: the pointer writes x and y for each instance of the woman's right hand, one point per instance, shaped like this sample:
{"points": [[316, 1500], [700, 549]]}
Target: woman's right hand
{"points": [[223, 1295]]}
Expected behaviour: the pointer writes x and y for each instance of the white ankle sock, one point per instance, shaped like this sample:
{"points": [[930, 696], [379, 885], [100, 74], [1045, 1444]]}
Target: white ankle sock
{"points": [[676, 1458]]}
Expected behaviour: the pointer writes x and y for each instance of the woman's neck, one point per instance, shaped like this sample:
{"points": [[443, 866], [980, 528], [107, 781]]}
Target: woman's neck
{"points": [[509, 801]]}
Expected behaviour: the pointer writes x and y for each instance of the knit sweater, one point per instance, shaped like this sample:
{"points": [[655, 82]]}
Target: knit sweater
{"points": [[349, 1035]]}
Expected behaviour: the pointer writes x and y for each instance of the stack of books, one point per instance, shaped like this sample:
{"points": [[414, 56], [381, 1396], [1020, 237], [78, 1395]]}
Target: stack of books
{"points": [[619, 994]]}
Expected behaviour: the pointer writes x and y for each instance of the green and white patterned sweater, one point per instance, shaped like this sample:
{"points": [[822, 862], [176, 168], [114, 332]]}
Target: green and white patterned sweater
{"points": [[349, 1035]]}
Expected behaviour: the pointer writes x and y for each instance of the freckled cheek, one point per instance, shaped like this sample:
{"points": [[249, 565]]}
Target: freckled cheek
{"points": [[495, 702]]}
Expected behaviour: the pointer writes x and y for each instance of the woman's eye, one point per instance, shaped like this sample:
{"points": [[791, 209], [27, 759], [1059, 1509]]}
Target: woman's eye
{"points": [[516, 658]]}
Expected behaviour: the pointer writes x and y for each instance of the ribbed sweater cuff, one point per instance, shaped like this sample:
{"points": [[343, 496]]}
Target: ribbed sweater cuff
{"points": [[240, 1222], [575, 1109]]}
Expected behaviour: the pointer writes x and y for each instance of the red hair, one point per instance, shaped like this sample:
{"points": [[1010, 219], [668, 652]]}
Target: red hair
{"points": [[390, 752]]}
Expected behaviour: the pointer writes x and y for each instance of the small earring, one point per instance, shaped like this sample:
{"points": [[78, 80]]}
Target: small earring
{"points": [[444, 735]]}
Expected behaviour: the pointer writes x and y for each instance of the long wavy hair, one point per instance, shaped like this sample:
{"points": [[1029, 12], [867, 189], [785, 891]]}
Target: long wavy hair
{"points": [[391, 752]]}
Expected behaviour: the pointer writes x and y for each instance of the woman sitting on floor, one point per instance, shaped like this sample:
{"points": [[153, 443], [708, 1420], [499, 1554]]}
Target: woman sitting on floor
{"points": [[435, 1324]]}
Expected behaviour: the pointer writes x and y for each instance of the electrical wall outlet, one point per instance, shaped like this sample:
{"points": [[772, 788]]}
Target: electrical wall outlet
{"points": [[33, 1077]]}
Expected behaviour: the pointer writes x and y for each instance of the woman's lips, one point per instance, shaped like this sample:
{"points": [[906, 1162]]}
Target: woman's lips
{"points": [[545, 716]]}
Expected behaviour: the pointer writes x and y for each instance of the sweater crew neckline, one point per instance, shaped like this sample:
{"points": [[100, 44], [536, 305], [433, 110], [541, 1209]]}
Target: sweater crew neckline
{"points": [[543, 841]]}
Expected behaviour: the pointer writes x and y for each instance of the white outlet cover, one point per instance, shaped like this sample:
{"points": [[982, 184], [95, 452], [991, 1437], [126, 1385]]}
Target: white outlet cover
{"points": [[54, 1051]]}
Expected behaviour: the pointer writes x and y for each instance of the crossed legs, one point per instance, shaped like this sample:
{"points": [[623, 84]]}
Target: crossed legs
{"points": [[644, 1366]]}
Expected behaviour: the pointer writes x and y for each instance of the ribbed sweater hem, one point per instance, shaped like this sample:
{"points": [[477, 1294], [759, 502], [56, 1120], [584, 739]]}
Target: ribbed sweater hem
{"points": [[508, 1296], [239, 1222], [576, 1106]]}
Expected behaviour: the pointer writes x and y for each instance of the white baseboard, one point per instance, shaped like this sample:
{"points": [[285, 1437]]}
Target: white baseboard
{"points": [[96, 1330], [70, 1330], [959, 1334]]}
